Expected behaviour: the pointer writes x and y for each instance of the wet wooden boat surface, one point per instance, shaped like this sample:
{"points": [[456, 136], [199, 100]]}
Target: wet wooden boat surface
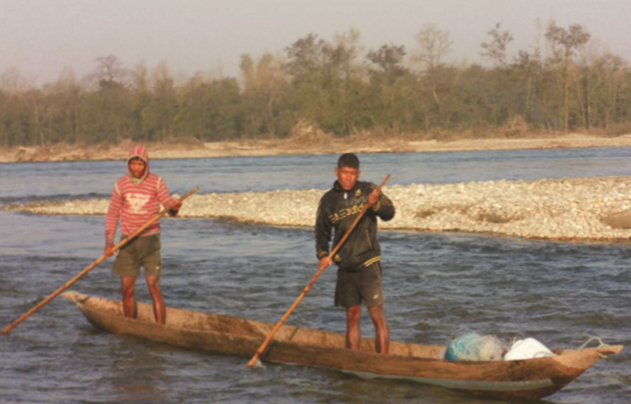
{"points": [[521, 379]]}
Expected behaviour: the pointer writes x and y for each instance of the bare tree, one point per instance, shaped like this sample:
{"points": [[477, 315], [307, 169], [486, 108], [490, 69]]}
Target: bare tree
{"points": [[109, 71], [65, 96], [12, 81], [264, 82], [433, 45], [347, 49], [564, 43], [496, 48]]}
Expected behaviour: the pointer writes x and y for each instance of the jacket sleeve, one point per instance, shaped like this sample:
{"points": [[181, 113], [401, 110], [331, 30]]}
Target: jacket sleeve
{"points": [[384, 208], [113, 213], [323, 230]]}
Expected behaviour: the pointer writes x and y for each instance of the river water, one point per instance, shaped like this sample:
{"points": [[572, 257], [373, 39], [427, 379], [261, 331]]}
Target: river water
{"points": [[436, 284]]}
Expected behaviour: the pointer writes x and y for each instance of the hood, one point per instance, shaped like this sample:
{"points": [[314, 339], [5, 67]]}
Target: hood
{"points": [[141, 152]]}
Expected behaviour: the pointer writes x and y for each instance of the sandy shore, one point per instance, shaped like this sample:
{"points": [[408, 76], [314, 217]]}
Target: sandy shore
{"points": [[581, 209], [193, 149]]}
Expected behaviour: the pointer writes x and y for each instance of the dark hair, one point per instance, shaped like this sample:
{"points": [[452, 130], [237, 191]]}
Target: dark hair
{"points": [[348, 160]]}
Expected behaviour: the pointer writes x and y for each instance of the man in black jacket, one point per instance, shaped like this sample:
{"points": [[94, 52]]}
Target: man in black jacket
{"points": [[358, 260]]}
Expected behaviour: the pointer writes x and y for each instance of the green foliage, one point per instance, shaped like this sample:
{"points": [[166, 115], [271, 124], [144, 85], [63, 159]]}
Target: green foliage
{"points": [[336, 86]]}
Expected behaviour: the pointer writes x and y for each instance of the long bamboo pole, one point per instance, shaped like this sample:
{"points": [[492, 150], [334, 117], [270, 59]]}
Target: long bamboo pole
{"points": [[44, 302], [260, 351]]}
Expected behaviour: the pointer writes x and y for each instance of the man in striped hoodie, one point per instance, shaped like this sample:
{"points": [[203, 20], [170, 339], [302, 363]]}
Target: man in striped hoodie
{"points": [[136, 199]]}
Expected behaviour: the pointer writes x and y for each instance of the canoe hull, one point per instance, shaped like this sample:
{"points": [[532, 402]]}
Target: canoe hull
{"points": [[524, 379]]}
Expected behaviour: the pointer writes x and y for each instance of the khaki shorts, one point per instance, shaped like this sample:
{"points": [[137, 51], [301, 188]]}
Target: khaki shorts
{"points": [[355, 288], [142, 251]]}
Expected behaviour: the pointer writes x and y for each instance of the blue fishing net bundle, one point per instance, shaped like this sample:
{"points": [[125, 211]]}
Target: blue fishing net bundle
{"points": [[471, 346]]}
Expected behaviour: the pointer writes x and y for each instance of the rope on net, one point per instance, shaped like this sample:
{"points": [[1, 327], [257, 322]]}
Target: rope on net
{"points": [[601, 344]]}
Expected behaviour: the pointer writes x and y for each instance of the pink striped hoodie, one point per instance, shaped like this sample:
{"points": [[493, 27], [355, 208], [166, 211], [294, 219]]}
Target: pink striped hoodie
{"points": [[135, 201]]}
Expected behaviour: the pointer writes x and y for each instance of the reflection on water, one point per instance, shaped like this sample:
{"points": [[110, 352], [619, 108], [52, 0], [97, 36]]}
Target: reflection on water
{"points": [[138, 371]]}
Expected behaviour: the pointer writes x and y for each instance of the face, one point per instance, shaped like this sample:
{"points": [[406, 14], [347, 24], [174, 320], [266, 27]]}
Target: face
{"points": [[137, 168], [347, 177]]}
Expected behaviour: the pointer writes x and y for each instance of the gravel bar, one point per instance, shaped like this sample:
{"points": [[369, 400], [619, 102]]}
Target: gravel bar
{"points": [[580, 209]]}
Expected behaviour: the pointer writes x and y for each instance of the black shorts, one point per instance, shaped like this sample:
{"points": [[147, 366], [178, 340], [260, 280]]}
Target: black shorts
{"points": [[355, 288]]}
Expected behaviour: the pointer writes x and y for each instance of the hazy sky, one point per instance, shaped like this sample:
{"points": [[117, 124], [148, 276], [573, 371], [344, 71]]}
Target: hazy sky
{"points": [[43, 37]]}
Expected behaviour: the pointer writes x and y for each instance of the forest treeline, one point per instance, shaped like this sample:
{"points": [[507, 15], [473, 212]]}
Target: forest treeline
{"points": [[566, 81]]}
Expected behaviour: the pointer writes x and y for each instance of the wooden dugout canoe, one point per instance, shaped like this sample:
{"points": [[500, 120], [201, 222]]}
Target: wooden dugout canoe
{"points": [[521, 379]]}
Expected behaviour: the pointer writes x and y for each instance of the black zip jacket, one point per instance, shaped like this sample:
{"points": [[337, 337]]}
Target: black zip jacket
{"points": [[337, 210]]}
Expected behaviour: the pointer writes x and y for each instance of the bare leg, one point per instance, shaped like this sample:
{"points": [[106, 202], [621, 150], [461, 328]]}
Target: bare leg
{"points": [[353, 330], [382, 340], [159, 311], [129, 301]]}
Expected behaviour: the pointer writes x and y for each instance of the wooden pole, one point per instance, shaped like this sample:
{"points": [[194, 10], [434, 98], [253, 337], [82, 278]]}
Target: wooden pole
{"points": [[260, 351], [118, 246]]}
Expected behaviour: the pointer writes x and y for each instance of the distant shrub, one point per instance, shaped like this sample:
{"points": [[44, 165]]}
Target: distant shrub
{"points": [[305, 134], [619, 129]]}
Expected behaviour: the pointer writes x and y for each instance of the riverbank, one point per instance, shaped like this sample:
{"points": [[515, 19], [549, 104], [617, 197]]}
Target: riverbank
{"points": [[323, 144], [579, 209]]}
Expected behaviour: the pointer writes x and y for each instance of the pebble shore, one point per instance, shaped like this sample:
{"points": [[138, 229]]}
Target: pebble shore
{"points": [[578, 209]]}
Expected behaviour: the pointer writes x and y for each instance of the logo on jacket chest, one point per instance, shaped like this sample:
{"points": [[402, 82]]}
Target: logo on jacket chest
{"points": [[137, 202], [348, 207]]}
